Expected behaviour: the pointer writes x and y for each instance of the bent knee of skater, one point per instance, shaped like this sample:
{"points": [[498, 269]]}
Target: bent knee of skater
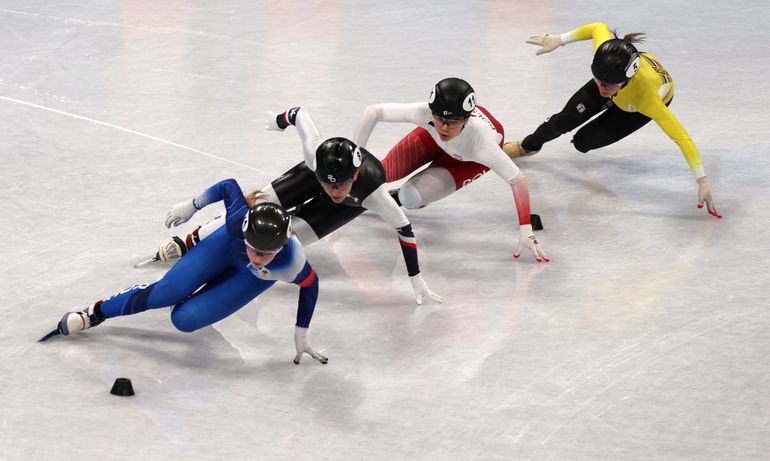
{"points": [[185, 321], [581, 145], [410, 197]]}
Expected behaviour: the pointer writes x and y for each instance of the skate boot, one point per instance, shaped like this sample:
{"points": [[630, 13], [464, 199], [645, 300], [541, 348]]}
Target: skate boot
{"points": [[514, 149], [171, 250], [174, 248], [75, 322]]}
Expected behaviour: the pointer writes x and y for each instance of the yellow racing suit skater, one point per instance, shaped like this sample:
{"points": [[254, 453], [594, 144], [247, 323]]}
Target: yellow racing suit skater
{"points": [[629, 88]]}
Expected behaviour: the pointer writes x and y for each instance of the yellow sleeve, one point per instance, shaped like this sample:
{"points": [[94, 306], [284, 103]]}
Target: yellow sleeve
{"points": [[671, 126], [598, 31]]}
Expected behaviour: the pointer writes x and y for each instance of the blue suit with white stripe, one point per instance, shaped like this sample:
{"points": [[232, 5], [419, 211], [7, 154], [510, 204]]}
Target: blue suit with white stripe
{"points": [[218, 265]]}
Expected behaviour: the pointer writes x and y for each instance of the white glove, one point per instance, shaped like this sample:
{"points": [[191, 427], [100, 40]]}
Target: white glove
{"points": [[548, 42], [270, 123], [303, 346], [180, 213], [171, 250], [527, 240], [421, 289], [704, 196]]}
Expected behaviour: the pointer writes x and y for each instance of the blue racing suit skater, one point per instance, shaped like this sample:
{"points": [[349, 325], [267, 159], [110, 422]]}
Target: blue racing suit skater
{"points": [[223, 273]]}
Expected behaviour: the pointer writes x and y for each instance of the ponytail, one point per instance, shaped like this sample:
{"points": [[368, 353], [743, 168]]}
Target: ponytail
{"points": [[633, 37], [253, 197]]}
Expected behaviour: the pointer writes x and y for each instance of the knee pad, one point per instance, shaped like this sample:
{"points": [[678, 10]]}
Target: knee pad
{"points": [[410, 197]]}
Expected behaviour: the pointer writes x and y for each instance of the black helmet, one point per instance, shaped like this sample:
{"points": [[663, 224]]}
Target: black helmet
{"points": [[453, 98], [337, 160], [266, 226], [615, 61]]}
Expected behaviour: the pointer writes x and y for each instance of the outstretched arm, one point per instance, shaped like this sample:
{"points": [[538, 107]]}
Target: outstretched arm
{"points": [[307, 280], [527, 239], [383, 204], [391, 112], [492, 156], [306, 128], [598, 32], [671, 126], [176, 247], [308, 295], [227, 191]]}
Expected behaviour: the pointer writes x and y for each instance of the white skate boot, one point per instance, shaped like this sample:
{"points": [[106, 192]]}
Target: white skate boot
{"points": [[75, 322]]}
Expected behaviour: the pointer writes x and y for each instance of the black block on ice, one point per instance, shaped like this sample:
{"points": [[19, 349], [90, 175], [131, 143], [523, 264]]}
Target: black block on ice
{"points": [[537, 224], [122, 387]]}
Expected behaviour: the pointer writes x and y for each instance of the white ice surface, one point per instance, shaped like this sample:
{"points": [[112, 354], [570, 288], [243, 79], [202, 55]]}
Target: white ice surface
{"points": [[647, 337]]}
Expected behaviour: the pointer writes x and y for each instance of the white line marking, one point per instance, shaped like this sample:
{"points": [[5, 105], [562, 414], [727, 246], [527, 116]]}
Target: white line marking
{"points": [[128, 130]]}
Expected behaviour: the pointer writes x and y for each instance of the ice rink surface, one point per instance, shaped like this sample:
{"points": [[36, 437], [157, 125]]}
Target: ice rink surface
{"points": [[647, 337]]}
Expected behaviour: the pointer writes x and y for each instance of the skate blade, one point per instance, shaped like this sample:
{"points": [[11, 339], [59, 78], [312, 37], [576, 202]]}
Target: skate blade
{"points": [[49, 336], [146, 262]]}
